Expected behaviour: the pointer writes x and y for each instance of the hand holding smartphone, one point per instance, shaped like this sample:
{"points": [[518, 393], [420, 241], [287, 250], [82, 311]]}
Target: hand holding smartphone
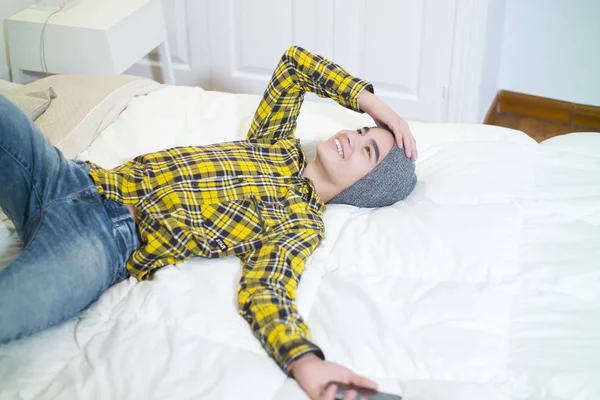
{"points": [[343, 388]]}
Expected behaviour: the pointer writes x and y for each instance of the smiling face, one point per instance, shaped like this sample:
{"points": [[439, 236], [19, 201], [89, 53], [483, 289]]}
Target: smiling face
{"points": [[350, 155]]}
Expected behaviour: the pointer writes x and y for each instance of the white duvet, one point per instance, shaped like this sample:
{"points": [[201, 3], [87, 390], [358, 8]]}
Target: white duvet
{"points": [[483, 284]]}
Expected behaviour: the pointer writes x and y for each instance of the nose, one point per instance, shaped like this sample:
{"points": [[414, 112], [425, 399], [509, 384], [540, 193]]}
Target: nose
{"points": [[354, 140]]}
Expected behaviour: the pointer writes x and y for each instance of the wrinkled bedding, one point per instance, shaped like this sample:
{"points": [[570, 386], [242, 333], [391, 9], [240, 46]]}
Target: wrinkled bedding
{"points": [[483, 284]]}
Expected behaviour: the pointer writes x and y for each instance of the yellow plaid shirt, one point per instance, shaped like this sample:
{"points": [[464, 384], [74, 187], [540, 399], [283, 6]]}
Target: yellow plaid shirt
{"points": [[245, 198]]}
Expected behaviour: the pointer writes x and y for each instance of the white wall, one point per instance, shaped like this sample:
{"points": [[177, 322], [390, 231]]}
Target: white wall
{"points": [[551, 48], [494, 36], [8, 8]]}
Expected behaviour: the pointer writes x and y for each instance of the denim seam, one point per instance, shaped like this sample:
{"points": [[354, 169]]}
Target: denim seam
{"points": [[117, 230], [114, 229], [67, 198], [41, 212], [37, 228], [37, 196], [120, 218]]}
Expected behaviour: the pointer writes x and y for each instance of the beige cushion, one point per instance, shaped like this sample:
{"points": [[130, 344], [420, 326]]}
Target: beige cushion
{"points": [[32, 102], [8, 86], [84, 106]]}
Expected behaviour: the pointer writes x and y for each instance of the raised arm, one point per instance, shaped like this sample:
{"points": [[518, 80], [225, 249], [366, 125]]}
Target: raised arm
{"points": [[298, 72]]}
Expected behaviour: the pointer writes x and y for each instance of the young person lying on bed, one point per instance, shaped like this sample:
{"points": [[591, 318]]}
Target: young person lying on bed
{"points": [[85, 228]]}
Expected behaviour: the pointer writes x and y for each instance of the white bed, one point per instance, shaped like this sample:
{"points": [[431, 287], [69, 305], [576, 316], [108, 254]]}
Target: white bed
{"points": [[483, 284]]}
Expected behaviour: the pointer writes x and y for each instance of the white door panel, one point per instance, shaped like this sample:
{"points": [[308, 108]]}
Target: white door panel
{"points": [[187, 31], [256, 33], [248, 38], [402, 46]]}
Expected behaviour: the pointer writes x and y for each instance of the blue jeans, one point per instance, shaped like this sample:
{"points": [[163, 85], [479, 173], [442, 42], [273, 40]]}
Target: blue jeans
{"points": [[75, 242]]}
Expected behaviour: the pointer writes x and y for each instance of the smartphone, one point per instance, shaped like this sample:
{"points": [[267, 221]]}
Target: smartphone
{"points": [[343, 388]]}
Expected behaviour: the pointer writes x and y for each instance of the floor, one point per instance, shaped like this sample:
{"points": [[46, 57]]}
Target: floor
{"points": [[542, 118], [538, 128]]}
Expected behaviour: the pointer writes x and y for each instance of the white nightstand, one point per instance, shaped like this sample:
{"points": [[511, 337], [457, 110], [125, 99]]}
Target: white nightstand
{"points": [[91, 36]]}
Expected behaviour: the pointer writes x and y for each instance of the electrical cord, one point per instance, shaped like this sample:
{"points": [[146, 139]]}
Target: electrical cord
{"points": [[43, 39]]}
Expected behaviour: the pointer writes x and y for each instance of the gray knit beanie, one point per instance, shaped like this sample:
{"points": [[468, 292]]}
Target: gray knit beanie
{"points": [[391, 181]]}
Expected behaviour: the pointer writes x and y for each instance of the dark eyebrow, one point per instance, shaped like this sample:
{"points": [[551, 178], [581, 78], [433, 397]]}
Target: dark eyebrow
{"points": [[374, 143]]}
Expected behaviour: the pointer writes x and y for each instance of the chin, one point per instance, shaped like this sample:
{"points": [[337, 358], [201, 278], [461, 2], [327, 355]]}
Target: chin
{"points": [[324, 153], [328, 160]]}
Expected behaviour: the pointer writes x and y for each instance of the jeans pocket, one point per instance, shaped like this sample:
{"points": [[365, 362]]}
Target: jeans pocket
{"points": [[126, 241]]}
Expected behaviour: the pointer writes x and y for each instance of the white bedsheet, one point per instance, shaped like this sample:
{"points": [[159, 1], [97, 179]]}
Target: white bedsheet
{"points": [[483, 284]]}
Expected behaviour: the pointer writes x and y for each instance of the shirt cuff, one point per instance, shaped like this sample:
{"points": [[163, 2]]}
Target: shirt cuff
{"points": [[298, 349], [356, 93]]}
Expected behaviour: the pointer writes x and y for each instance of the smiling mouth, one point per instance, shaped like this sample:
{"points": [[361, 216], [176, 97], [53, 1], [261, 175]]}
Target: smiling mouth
{"points": [[339, 147]]}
